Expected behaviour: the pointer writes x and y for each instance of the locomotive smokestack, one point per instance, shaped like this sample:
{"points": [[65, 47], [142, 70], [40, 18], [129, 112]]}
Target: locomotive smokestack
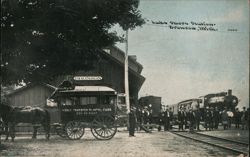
{"points": [[229, 93]]}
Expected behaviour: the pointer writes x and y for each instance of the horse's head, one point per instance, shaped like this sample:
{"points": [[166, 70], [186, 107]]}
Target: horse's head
{"points": [[5, 110]]}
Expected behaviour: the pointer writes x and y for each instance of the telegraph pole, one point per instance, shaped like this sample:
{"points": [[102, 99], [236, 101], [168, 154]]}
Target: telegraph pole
{"points": [[126, 75]]}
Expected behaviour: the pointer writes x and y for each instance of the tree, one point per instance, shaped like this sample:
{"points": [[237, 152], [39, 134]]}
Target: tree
{"points": [[43, 39]]}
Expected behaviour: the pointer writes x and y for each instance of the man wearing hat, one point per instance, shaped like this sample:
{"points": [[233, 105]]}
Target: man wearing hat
{"points": [[191, 119], [181, 117], [166, 120], [244, 116], [197, 118], [237, 118], [132, 122], [216, 117], [224, 118], [212, 120], [207, 118]]}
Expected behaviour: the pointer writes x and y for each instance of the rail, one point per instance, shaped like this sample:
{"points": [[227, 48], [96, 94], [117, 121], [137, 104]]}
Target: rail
{"points": [[235, 146]]}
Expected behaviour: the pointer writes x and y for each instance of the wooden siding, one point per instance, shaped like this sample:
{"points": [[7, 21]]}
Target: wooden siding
{"points": [[32, 96]]}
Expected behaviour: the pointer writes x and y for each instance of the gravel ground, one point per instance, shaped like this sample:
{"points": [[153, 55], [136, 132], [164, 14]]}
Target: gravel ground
{"points": [[156, 144]]}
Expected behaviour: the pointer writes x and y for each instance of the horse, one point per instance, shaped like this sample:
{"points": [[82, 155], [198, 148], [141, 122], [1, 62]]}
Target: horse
{"points": [[11, 116]]}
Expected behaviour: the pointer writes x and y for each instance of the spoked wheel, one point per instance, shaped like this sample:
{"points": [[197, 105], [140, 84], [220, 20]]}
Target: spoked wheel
{"points": [[74, 130], [103, 127], [61, 132]]}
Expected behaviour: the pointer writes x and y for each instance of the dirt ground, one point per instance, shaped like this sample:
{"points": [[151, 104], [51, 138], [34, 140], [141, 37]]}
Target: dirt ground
{"points": [[156, 144]]}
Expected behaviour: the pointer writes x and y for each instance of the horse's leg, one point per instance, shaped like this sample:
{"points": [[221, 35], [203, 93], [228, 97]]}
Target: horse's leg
{"points": [[12, 131], [47, 125], [34, 132], [6, 131], [47, 130]]}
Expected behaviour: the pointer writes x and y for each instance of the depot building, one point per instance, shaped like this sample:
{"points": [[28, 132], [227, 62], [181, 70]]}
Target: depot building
{"points": [[108, 71]]}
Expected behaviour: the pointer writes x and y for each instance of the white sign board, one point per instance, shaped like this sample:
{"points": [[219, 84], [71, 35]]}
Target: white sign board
{"points": [[92, 78], [217, 99]]}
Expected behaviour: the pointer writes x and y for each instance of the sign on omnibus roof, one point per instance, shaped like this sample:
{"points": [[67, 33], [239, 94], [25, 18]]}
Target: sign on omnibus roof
{"points": [[92, 78]]}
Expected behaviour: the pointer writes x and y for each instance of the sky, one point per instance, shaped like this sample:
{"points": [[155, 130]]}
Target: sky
{"points": [[184, 64]]}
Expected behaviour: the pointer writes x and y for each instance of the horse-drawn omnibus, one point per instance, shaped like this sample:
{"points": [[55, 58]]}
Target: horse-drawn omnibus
{"points": [[83, 107]]}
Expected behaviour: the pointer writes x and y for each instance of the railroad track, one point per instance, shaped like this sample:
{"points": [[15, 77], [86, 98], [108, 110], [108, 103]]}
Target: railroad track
{"points": [[232, 145]]}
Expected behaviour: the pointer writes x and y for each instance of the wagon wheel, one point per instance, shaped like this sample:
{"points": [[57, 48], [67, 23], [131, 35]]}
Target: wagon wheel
{"points": [[74, 130], [103, 127], [61, 132]]}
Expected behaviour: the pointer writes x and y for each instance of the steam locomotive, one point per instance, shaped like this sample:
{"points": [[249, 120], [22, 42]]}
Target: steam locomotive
{"points": [[219, 100]]}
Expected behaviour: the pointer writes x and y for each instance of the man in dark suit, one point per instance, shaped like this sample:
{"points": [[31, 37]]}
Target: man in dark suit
{"points": [[181, 118], [171, 117], [244, 117], [211, 122], [191, 119], [207, 118], [216, 118], [132, 123], [166, 120], [237, 118], [161, 120], [197, 118]]}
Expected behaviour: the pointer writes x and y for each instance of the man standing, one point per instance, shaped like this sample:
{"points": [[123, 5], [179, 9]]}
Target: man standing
{"points": [[145, 116], [244, 117], [132, 123], [181, 118], [166, 120], [161, 119], [197, 118], [224, 118], [171, 118], [211, 123], [237, 118], [150, 117], [185, 118], [207, 118], [216, 118], [230, 117], [191, 119]]}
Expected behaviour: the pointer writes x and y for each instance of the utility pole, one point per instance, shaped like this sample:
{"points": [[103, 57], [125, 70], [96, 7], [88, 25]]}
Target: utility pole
{"points": [[126, 75]]}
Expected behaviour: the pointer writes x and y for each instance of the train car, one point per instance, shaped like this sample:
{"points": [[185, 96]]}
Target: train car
{"points": [[152, 104], [223, 100], [186, 104], [190, 103]]}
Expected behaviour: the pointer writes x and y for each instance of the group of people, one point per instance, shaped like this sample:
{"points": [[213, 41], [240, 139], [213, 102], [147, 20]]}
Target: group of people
{"points": [[145, 117], [189, 118], [239, 118], [212, 117]]}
